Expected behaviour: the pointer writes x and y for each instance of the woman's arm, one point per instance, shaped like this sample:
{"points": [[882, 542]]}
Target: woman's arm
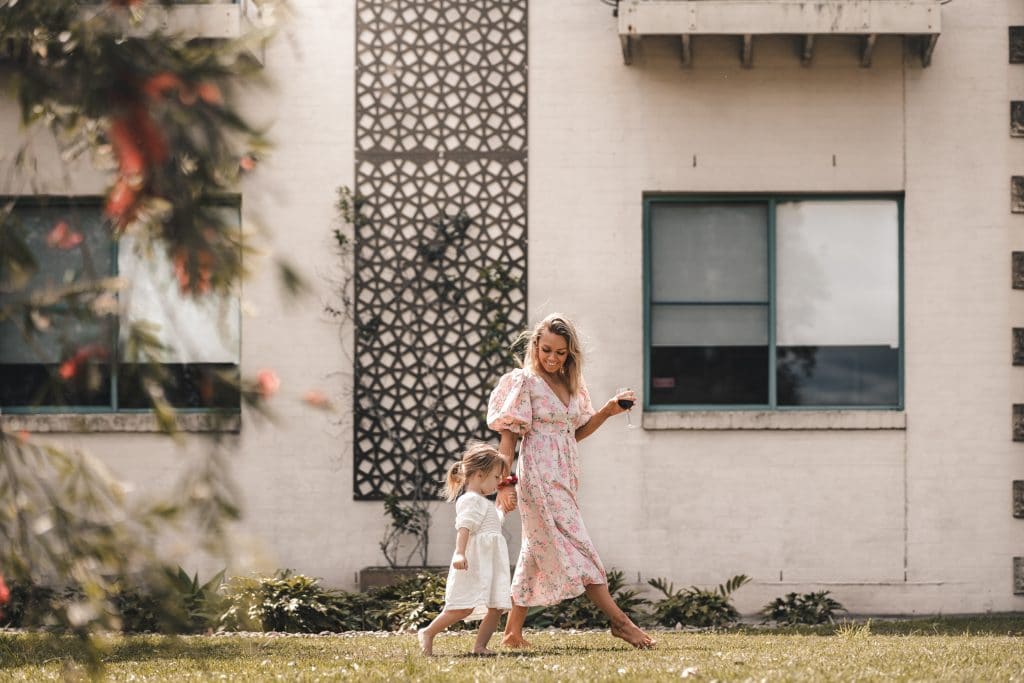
{"points": [[609, 409], [506, 499], [507, 447]]}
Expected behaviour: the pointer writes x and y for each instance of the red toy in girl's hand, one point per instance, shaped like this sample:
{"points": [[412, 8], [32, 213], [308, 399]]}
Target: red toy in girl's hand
{"points": [[510, 480]]}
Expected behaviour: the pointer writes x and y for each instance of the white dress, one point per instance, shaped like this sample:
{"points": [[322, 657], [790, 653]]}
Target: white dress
{"points": [[487, 582]]}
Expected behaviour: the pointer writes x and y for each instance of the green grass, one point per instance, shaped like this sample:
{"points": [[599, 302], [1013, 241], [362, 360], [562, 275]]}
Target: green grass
{"points": [[973, 649]]}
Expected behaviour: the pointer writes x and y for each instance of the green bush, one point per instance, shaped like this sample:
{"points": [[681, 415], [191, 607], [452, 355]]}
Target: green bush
{"points": [[696, 606], [28, 606], [412, 603], [580, 612], [809, 608], [294, 603]]}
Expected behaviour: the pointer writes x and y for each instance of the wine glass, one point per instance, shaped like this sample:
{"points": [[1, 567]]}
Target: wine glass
{"points": [[627, 404]]}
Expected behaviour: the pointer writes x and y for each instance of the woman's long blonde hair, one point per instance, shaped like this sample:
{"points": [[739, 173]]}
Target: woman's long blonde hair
{"points": [[572, 370], [479, 457]]}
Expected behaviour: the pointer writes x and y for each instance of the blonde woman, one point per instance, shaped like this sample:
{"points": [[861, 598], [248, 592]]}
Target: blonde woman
{"points": [[546, 404]]}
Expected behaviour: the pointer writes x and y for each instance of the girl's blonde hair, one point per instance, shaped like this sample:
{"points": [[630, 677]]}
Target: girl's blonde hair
{"points": [[479, 457], [572, 369]]}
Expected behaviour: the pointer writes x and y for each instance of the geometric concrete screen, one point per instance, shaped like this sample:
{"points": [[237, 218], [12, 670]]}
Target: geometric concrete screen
{"points": [[440, 251], [1018, 499], [1018, 575]]}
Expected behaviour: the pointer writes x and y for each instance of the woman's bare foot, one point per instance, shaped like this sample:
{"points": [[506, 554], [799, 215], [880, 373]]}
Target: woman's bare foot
{"points": [[484, 652], [426, 642], [632, 634], [514, 640]]}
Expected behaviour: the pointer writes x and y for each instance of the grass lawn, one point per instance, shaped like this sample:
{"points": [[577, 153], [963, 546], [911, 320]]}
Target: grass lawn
{"points": [[961, 649]]}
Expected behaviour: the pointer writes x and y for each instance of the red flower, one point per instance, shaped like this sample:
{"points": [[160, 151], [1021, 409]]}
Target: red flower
{"points": [[156, 86], [63, 237], [510, 480], [126, 148], [68, 369], [204, 265], [267, 383], [5, 592], [121, 202], [209, 93]]}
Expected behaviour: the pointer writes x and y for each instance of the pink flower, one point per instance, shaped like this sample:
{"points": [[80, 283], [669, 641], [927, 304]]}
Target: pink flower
{"points": [[267, 383], [209, 93], [63, 237], [5, 592], [317, 399], [247, 163]]}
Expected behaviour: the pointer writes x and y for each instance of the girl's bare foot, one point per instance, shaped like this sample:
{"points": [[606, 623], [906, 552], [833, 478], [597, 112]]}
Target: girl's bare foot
{"points": [[426, 642], [632, 634], [484, 652], [514, 640]]}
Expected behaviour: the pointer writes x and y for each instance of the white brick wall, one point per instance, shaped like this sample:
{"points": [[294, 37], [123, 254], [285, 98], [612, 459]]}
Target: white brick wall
{"points": [[849, 511]]}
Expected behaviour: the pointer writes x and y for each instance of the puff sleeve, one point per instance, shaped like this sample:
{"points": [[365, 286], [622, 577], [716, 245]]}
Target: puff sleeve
{"points": [[509, 406], [586, 407], [470, 510]]}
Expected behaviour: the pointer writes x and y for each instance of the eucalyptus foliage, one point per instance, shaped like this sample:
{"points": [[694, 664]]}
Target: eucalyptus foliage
{"points": [[158, 117]]}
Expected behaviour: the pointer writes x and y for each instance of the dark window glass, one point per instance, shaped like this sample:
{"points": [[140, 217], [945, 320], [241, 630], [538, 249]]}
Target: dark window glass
{"points": [[830, 326], [66, 359]]}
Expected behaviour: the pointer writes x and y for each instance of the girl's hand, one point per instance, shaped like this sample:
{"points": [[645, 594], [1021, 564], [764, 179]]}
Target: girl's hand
{"points": [[459, 561], [612, 407], [507, 499]]}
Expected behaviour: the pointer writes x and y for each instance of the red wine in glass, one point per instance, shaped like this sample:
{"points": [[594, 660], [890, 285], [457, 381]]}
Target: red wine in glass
{"points": [[626, 404]]}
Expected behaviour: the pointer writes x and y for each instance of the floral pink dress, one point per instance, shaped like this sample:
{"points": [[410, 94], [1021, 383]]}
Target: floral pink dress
{"points": [[557, 560]]}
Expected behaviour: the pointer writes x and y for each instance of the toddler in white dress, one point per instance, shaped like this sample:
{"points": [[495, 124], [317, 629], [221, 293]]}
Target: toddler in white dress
{"points": [[479, 584]]}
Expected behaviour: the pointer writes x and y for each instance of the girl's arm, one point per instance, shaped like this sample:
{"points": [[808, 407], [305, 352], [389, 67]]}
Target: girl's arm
{"points": [[506, 499], [459, 558]]}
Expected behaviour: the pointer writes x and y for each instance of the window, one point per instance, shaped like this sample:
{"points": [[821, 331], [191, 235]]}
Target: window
{"points": [[773, 302], [71, 242]]}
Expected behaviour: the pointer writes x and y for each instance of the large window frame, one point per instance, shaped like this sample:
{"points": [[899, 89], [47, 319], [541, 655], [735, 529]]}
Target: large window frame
{"points": [[232, 201], [771, 200]]}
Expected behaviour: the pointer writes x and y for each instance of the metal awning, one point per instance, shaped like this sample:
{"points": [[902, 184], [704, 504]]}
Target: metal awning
{"points": [[745, 19]]}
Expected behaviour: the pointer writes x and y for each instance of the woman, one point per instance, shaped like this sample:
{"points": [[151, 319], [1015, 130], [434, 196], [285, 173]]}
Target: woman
{"points": [[546, 403]]}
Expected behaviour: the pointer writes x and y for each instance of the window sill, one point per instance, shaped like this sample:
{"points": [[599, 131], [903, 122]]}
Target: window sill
{"points": [[79, 423], [781, 419]]}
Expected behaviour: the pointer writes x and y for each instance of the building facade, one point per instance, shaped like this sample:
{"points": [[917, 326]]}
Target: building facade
{"points": [[797, 238]]}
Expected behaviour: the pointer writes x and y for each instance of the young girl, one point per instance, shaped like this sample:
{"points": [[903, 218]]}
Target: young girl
{"points": [[478, 581]]}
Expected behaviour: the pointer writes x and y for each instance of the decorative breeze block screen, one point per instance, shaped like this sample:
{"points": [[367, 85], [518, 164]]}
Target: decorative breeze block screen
{"points": [[440, 255]]}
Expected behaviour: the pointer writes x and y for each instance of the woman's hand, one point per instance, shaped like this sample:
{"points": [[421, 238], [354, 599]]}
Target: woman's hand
{"points": [[459, 561], [612, 407], [507, 499]]}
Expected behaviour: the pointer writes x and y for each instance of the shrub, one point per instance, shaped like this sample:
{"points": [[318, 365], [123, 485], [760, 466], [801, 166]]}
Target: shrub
{"points": [[809, 608], [287, 602], [696, 606], [580, 612], [28, 606], [412, 603]]}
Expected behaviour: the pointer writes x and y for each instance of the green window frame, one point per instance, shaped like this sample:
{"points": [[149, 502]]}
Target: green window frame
{"points": [[771, 202], [225, 403]]}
